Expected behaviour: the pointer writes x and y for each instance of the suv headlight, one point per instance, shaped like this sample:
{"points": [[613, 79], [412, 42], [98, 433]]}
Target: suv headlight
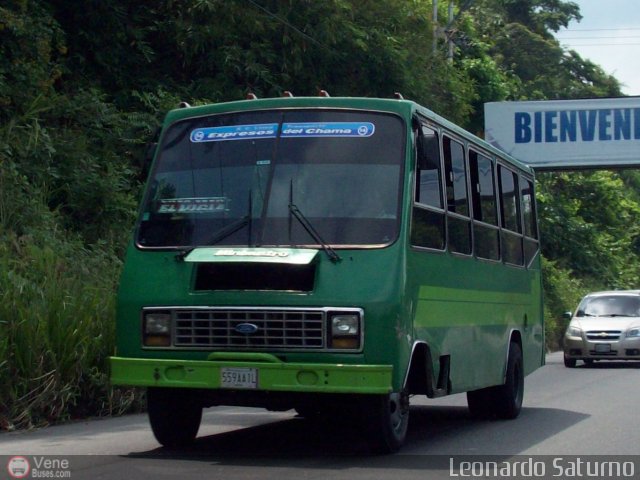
{"points": [[573, 331]]}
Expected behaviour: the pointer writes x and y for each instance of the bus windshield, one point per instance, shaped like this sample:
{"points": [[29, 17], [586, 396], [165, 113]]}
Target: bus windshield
{"points": [[234, 179]]}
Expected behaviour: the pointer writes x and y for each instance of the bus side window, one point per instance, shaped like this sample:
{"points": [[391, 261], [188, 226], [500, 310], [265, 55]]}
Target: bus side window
{"points": [[510, 217], [486, 234], [531, 243], [428, 215], [459, 223], [429, 189]]}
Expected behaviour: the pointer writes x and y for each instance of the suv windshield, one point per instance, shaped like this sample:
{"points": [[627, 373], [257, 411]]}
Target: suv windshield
{"points": [[231, 180], [610, 306]]}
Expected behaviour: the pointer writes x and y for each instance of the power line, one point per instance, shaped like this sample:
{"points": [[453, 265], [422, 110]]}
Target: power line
{"points": [[630, 30], [573, 45], [286, 23], [596, 38], [598, 29]]}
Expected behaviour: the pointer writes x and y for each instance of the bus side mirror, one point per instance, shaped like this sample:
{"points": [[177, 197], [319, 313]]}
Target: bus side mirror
{"points": [[147, 158], [149, 153]]}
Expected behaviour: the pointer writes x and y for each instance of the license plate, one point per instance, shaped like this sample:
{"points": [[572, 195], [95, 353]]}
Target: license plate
{"points": [[603, 347], [238, 377]]}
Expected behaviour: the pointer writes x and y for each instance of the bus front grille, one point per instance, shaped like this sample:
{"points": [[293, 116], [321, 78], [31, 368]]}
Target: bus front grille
{"points": [[250, 329]]}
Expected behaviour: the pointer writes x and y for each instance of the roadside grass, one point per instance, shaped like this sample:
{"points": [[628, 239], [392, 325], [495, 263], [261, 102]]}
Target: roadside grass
{"points": [[57, 305]]}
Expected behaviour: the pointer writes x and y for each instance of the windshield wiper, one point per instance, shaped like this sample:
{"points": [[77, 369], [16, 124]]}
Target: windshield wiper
{"points": [[295, 211], [233, 227], [331, 253], [229, 229], [221, 234]]}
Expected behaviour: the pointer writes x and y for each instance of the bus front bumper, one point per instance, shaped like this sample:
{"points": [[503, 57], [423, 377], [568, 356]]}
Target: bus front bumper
{"points": [[261, 372]]}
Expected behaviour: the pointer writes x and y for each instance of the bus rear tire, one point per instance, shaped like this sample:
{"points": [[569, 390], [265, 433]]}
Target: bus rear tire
{"points": [[502, 401], [508, 397], [174, 415], [386, 418], [479, 402]]}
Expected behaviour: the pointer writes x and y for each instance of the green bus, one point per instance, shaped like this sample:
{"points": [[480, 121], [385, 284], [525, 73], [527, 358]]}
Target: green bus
{"points": [[335, 256]]}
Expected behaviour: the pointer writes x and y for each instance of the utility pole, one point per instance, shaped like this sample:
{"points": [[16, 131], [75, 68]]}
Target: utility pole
{"points": [[436, 29], [447, 33]]}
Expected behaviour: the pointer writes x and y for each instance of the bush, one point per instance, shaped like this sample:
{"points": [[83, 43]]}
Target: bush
{"points": [[562, 292], [56, 331]]}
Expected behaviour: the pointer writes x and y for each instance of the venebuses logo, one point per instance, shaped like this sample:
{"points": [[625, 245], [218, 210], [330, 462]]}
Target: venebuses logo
{"points": [[18, 467], [38, 467]]}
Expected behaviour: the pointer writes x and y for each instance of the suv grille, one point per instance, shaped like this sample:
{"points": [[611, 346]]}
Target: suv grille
{"points": [[287, 329], [603, 334]]}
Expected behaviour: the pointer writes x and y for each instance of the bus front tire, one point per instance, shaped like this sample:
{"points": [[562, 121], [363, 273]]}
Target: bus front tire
{"points": [[387, 421], [174, 415], [309, 412]]}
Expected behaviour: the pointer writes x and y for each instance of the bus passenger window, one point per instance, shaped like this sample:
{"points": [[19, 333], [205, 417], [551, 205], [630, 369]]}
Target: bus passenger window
{"points": [[510, 217], [528, 206], [429, 189], [486, 235], [459, 223], [428, 229], [530, 226], [428, 215]]}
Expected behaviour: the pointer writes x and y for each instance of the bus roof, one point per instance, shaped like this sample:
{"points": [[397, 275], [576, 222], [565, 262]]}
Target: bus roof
{"points": [[404, 108]]}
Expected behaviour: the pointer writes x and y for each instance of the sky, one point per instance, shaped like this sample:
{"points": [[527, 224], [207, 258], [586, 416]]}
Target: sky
{"points": [[609, 36]]}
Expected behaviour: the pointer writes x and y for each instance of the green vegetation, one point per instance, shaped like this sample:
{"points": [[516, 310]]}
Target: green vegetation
{"points": [[83, 86]]}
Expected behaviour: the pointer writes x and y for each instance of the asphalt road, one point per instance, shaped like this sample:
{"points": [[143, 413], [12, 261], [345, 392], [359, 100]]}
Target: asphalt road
{"points": [[567, 412]]}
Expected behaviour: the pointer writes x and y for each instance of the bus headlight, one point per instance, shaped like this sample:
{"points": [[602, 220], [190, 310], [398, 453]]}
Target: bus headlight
{"points": [[156, 329], [345, 330]]}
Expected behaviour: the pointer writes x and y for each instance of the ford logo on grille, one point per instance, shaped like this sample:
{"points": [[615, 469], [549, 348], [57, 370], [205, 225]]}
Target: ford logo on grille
{"points": [[246, 328]]}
